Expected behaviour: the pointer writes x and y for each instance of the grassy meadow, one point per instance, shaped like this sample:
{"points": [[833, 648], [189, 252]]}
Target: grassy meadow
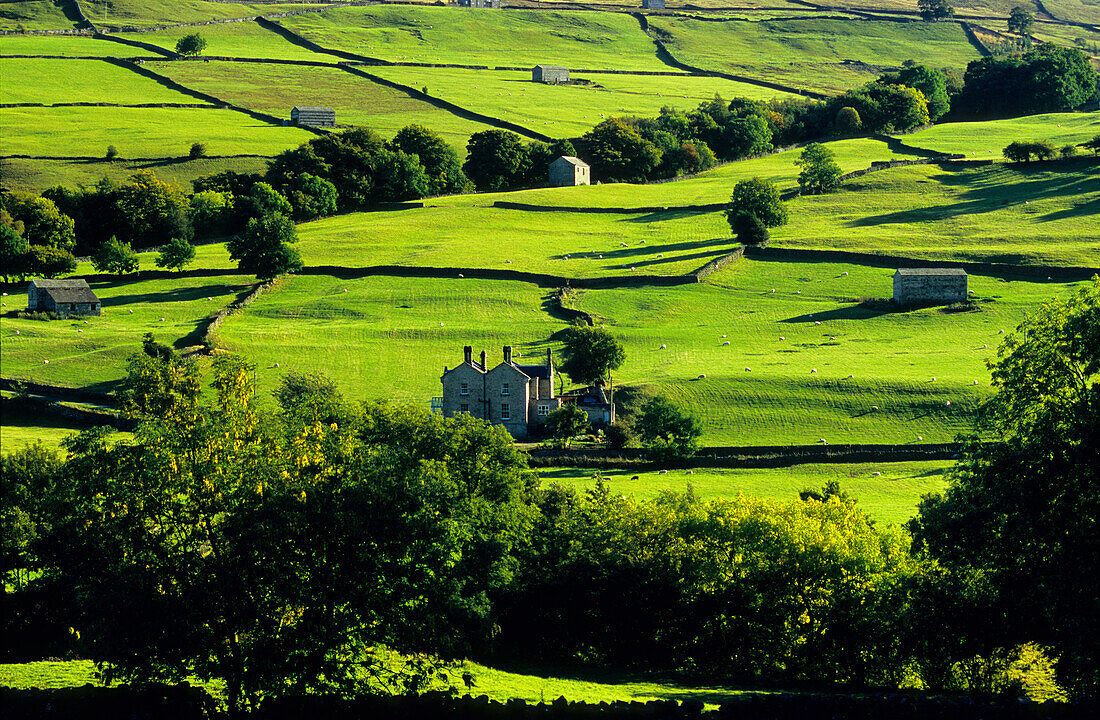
{"points": [[890, 497], [567, 110], [986, 140], [139, 132], [37, 175], [146, 13], [68, 46], [517, 38], [243, 39], [813, 54], [358, 101], [49, 81], [33, 15]]}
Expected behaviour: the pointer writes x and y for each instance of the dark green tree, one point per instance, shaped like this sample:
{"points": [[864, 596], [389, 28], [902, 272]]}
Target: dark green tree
{"points": [[820, 171], [176, 253], [494, 158], [211, 213], [43, 223], [115, 257], [151, 210], [438, 159], [666, 431], [747, 136], [567, 422], [198, 150], [1020, 514], [1020, 21], [590, 354], [757, 197], [749, 229], [49, 262], [935, 9], [264, 247], [1093, 145], [617, 151], [191, 45], [13, 253], [311, 197], [848, 120]]}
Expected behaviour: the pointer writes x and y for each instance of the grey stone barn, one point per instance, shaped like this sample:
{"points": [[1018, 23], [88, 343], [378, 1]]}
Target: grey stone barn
{"points": [[519, 397], [313, 116], [550, 74], [568, 170], [64, 297], [929, 286], [493, 4], [653, 4]]}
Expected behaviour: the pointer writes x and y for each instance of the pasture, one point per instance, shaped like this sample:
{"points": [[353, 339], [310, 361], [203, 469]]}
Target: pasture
{"points": [[31, 15], [814, 54], [243, 39], [986, 139], [890, 497], [76, 46], [37, 175], [275, 89], [139, 132], [517, 38], [147, 13], [567, 110], [50, 81]]}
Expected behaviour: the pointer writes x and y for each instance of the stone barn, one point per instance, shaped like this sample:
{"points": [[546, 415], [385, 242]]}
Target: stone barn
{"points": [[493, 4], [313, 116], [653, 4], [550, 74], [568, 170], [519, 397], [64, 297], [929, 286]]}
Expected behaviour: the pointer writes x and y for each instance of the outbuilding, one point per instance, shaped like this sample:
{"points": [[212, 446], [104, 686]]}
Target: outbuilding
{"points": [[64, 297], [568, 170], [929, 286], [492, 4], [313, 116], [653, 4], [550, 74]]}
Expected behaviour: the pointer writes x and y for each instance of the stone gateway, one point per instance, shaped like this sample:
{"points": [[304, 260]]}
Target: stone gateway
{"points": [[929, 286]]}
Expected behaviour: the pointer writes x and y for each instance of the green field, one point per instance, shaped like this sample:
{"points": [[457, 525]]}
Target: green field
{"points": [[50, 81], [519, 38], [357, 100], [815, 54], [144, 13], [986, 140], [37, 175], [66, 46], [92, 352], [567, 110], [33, 15], [244, 39], [890, 497], [1087, 11], [139, 132]]}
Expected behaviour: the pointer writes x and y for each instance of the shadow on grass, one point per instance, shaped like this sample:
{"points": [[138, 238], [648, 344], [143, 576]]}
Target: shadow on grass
{"points": [[176, 295], [862, 311], [644, 250], [666, 215], [981, 193]]}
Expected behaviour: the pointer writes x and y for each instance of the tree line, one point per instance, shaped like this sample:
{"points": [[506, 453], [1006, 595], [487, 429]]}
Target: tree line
{"points": [[333, 546]]}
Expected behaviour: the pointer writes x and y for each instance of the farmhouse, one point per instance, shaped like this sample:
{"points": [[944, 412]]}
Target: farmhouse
{"points": [[653, 4], [519, 397], [64, 297], [313, 116], [494, 4], [929, 286], [594, 401], [568, 170], [550, 74]]}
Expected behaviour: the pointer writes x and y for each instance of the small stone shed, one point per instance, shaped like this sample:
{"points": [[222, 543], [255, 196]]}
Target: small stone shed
{"points": [[929, 286], [653, 4], [64, 297], [313, 116], [568, 170], [550, 74], [493, 4]]}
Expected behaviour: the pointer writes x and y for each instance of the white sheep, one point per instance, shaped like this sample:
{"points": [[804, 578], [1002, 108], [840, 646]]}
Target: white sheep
{"points": [[663, 346], [832, 337], [440, 324], [46, 362], [797, 292], [622, 244], [874, 407], [703, 376], [660, 255], [813, 371], [851, 376], [16, 332], [975, 382], [985, 346], [817, 322], [80, 331], [845, 273], [748, 369], [933, 378], [725, 343], [632, 268], [823, 440], [461, 275], [276, 364], [920, 437], [876, 474], [723, 336], [663, 472], [773, 289], [131, 312], [601, 257], [690, 472], [947, 403], [643, 242], [345, 289], [1001, 332], [162, 319], [507, 262]]}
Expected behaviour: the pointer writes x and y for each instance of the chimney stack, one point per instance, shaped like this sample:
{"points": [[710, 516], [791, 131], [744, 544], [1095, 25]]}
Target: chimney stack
{"points": [[508, 354], [483, 365], [468, 352], [549, 359]]}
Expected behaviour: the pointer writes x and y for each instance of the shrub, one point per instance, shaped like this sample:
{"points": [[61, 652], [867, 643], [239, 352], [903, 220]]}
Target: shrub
{"points": [[191, 45], [112, 152], [198, 150]]}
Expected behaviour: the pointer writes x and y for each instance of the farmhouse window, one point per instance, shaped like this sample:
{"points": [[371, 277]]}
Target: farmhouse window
{"points": [[505, 388], [464, 389], [464, 407], [544, 410], [505, 413]]}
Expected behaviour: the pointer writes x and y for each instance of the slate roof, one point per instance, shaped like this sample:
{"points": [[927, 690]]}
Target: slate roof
{"points": [[930, 271], [551, 67], [534, 371], [66, 291], [571, 160]]}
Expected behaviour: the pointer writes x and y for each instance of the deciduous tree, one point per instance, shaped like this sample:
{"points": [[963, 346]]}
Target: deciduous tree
{"points": [[820, 171], [191, 45], [176, 253], [590, 354], [115, 257], [666, 431], [264, 247], [757, 197], [1020, 21]]}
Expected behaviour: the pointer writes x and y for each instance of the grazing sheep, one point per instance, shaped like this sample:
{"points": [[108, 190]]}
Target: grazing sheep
{"points": [[660, 255], [933, 378], [276, 364], [703, 376], [782, 338], [748, 369], [832, 337], [80, 331], [920, 437], [1000, 332], [632, 268], [876, 474], [975, 382], [46, 361], [507, 262], [823, 440], [162, 319], [643, 242], [773, 289], [985, 346], [813, 371], [874, 407], [345, 289], [635, 478], [797, 292], [817, 322], [461, 275], [601, 257], [622, 244], [566, 257], [845, 273], [725, 343], [209, 298], [690, 472], [131, 312], [440, 324], [723, 336], [663, 347], [16, 332], [663, 472], [851, 376]]}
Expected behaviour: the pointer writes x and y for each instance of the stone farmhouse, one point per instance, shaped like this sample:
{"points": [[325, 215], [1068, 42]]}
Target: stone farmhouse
{"points": [[64, 297], [653, 4], [550, 74], [929, 286], [313, 116], [568, 170], [493, 4], [519, 397]]}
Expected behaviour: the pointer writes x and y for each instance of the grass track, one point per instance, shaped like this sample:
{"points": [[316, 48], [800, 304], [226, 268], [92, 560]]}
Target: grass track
{"points": [[139, 132]]}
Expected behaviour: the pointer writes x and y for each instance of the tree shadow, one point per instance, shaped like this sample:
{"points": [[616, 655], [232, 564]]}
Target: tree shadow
{"points": [[643, 250], [665, 215], [862, 311], [175, 295]]}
